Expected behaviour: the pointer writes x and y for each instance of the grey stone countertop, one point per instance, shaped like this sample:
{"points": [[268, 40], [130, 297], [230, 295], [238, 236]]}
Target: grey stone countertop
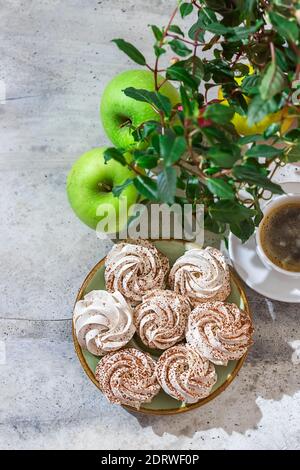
{"points": [[56, 58]]}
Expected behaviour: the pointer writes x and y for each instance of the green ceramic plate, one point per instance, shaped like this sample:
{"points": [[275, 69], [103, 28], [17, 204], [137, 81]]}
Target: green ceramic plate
{"points": [[162, 403]]}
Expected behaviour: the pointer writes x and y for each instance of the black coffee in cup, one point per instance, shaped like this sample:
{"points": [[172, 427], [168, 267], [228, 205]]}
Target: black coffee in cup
{"points": [[280, 236]]}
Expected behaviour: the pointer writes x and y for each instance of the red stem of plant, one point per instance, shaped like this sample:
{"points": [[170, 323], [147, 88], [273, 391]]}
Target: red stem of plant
{"points": [[162, 84], [160, 45], [174, 36], [196, 5], [196, 44]]}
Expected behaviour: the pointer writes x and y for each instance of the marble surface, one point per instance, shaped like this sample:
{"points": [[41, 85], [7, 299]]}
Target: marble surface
{"points": [[56, 58]]}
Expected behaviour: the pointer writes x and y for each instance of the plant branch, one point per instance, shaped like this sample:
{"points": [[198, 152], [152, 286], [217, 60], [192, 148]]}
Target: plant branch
{"points": [[185, 40], [196, 5], [196, 44], [135, 169], [191, 169], [160, 45]]}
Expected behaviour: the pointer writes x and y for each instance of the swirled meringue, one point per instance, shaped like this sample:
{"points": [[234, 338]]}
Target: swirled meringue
{"points": [[128, 377], [220, 331], [161, 318], [201, 275], [184, 374], [135, 267], [103, 322]]}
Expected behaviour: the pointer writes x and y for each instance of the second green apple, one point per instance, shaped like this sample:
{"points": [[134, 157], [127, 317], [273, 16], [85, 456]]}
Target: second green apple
{"points": [[118, 111]]}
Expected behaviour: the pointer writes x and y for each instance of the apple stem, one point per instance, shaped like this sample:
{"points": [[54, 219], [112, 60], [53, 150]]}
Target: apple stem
{"points": [[128, 122], [104, 187]]}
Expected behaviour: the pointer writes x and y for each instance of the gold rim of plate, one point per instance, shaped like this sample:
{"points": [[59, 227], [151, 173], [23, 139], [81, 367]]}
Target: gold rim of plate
{"points": [[171, 411]]}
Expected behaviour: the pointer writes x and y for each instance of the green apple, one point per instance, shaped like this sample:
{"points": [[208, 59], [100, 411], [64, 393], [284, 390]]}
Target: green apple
{"points": [[89, 189], [118, 111]]}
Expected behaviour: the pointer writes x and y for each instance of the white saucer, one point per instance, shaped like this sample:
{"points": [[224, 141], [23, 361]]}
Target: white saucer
{"points": [[248, 265]]}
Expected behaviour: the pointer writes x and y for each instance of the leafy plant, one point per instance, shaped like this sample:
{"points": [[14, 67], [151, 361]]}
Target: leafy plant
{"points": [[194, 153]]}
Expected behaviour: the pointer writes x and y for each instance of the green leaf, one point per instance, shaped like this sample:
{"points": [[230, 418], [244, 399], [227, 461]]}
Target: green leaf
{"points": [[117, 190], [294, 154], [258, 167], [114, 154], [207, 15], [218, 28], [219, 113], [272, 129], [179, 130], [224, 156], [213, 135], [186, 102], [258, 109], [213, 225], [171, 148], [243, 230], [131, 51], [212, 170], [287, 28], [192, 188], [166, 182], [194, 66], [220, 70], [247, 139], [220, 188], [252, 176], [159, 51], [263, 151], [247, 6], [260, 215], [239, 103], [293, 135], [250, 84], [146, 187], [291, 55], [175, 29], [145, 161], [281, 60], [148, 128], [155, 143], [273, 82], [179, 48], [241, 32], [161, 102], [180, 183], [230, 212], [197, 31], [234, 34], [158, 34], [186, 9], [180, 74], [197, 67]]}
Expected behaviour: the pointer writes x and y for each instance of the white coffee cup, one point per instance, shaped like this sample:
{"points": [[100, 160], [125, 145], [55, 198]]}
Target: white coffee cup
{"points": [[276, 202]]}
